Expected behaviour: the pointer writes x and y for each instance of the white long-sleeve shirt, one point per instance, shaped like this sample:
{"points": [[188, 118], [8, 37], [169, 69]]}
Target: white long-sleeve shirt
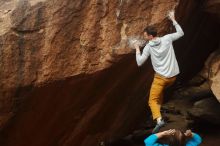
{"points": [[162, 54]]}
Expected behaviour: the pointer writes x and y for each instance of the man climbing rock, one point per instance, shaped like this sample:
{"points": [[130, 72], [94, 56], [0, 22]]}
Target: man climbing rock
{"points": [[165, 65]]}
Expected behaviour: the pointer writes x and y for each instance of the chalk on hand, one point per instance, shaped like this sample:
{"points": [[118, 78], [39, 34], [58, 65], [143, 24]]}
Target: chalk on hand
{"points": [[135, 40], [170, 14]]}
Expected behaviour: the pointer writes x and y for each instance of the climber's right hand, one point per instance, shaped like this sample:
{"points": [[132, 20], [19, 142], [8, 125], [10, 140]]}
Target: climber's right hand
{"points": [[171, 15], [136, 45]]}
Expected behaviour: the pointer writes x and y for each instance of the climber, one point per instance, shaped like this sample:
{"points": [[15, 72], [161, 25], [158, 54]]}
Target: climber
{"points": [[174, 137], [164, 64]]}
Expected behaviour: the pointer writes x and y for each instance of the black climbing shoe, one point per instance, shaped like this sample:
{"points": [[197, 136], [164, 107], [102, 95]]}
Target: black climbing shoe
{"points": [[158, 126]]}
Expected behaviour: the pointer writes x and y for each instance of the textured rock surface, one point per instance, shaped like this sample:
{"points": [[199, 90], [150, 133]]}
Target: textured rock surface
{"points": [[66, 74], [75, 42], [52, 40], [42, 41], [206, 110], [211, 72], [201, 21], [197, 44], [81, 110], [213, 7]]}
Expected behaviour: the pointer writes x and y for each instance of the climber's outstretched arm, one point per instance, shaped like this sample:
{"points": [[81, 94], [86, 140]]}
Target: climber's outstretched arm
{"points": [[179, 32]]}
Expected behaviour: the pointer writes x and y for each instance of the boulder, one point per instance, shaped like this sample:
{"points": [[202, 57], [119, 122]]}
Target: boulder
{"points": [[211, 72], [206, 110]]}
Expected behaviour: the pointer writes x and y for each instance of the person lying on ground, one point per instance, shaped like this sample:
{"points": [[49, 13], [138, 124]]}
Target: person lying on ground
{"points": [[174, 137]]}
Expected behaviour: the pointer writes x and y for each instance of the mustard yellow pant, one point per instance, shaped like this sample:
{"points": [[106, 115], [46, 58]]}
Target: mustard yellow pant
{"points": [[156, 93]]}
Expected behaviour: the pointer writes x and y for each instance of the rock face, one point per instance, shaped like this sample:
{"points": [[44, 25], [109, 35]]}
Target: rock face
{"points": [[199, 24], [47, 41], [211, 72], [206, 110], [78, 41], [202, 21], [42, 41], [67, 76]]}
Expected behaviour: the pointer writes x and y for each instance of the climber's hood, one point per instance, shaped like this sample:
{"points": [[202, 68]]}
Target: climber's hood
{"points": [[155, 42]]}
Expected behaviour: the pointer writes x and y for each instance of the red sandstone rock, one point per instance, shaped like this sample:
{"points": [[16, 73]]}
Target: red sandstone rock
{"points": [[211, 72], [42, 40], [66, 72]]}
